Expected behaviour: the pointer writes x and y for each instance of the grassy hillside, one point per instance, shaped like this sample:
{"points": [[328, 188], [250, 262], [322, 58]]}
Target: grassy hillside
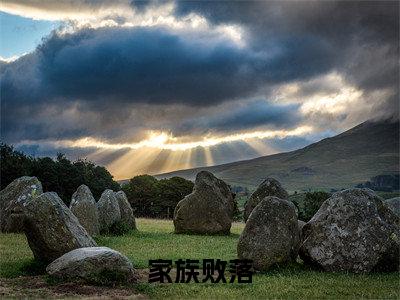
{"points": [[367, 150], [156, 240]]}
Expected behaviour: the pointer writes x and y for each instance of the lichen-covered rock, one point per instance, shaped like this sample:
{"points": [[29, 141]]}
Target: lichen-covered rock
{"points": [[126, 210], [94, 264], [108, 210], [352, 231], [394, 205], [271, 234], [208, 209], [84, 207], [13, 196], [269, 187], [52, 229], [301, 225]]}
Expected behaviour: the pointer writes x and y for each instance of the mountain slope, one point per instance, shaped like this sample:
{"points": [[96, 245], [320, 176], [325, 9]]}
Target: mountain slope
{"points": [[354, 156]]}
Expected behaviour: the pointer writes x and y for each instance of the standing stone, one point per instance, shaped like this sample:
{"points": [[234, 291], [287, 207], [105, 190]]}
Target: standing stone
{"points": [[84, 207], [208, 209], [269, 187], [271, 234], [352, 231], [394, 205], [52, 229], [301, 225], [12, 197], [108, 210], [125, 210], [92, 264]]}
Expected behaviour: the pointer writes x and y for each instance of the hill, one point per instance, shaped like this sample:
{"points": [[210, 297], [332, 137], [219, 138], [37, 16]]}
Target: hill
{"points": [[352, 157]]}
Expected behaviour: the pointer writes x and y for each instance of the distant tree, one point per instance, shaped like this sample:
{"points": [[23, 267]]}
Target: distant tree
{"points": [[312, 202], [13, 164], [150, 197], [142, 192], [60, 175], [171, 191]]}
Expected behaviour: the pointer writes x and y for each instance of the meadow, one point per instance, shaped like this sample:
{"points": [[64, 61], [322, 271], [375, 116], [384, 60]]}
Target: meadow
{"points": [[155, 239]]}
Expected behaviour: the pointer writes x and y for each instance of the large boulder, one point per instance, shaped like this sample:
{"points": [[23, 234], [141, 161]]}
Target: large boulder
{"points": [[269, 187], [84, 207], [301, 225], [208, 209], [94, 264], [126, 210], [108, 210], [394, 205], [52, 229], [271, 235], [13, 196], [352, 231]]}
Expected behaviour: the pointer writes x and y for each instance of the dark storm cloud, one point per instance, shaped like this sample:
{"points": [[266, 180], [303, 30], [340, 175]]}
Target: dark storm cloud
{"points": [[251, 115], [363, 36], [110, 70], [88, 83]]}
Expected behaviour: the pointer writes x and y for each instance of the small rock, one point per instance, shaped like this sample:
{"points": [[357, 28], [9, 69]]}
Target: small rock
{"points": [[84, 207], [125, 210], [109, 211], [12, 198], [394, 205], [52, 229], [352, 231], [269, 187], [271, 234], [93, 264], [208, 209]]}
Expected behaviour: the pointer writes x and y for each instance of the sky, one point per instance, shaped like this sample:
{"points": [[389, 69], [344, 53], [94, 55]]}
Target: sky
{"points": [[156, 86]]}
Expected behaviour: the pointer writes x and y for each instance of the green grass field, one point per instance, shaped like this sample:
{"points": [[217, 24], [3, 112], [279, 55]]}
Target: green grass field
{"points": [[156, 240]]}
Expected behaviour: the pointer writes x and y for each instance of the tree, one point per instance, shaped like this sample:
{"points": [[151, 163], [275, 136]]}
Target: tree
{"points": [[312, 202], [152, 198], [60, 175]]}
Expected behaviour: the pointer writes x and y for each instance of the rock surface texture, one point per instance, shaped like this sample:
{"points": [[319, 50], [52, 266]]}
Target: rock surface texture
{"points": [[208, 209], [92, 264], [109, 211], [269, 187], [126, 210], [52, 229], [271, 234], [84, 207], [12, 198], [352, 231], [394, 204]]}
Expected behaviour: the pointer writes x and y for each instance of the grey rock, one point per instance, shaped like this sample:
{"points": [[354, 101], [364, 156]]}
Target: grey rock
{"points": [[394, 205], [92, 264], [126, 210], [269, 187], [12, 198], [84, 207], [52, 229], [301, 225], [108, 210], [271, 234], [208, 209], [352, 231]]}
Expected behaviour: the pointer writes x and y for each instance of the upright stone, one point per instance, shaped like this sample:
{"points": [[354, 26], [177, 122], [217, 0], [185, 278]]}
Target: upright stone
{"points": [[269, 187], [271, 235], [13, 196], [208, 209], [109, 211], [394, 205], [84, 207], [125, 210], [52, 229], [352, 231]]}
